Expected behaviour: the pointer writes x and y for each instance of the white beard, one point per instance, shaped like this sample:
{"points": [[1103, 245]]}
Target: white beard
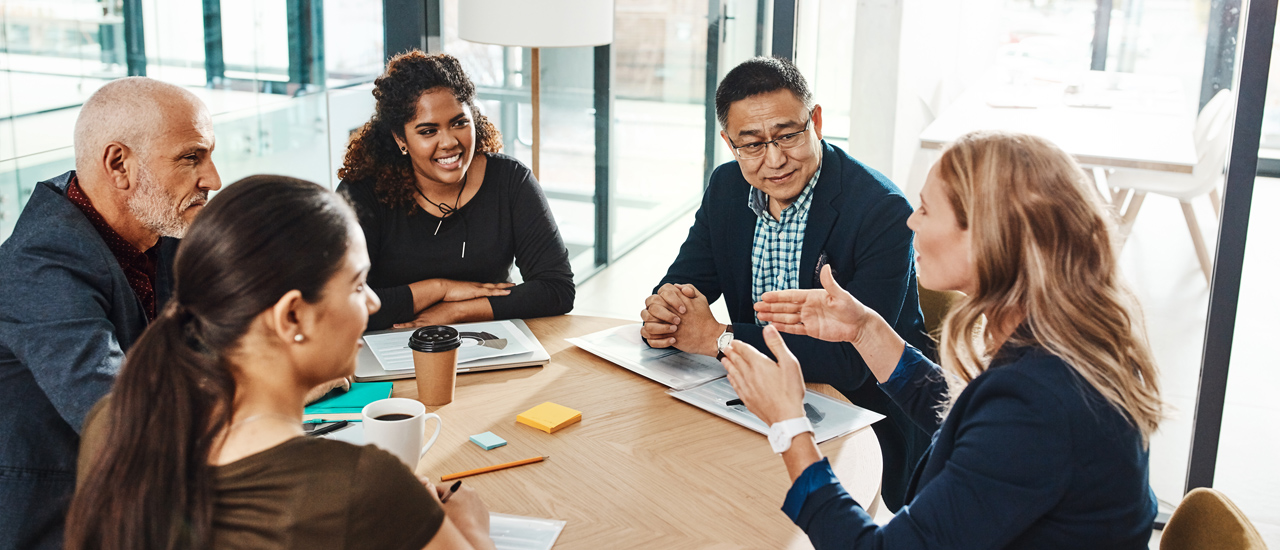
{"points": [[158, 210]]}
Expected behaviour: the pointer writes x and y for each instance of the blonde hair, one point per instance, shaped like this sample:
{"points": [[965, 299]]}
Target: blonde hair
{"points": [[1043, 248]]}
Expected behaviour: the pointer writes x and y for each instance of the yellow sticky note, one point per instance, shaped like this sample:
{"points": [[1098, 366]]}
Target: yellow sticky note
{"points": [[549, 417]]}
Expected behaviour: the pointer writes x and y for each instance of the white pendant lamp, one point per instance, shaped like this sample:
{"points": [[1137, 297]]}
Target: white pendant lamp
{"points": [[536, 24]]}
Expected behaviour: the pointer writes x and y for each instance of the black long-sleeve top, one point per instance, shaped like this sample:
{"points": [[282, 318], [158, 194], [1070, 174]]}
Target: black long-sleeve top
{"points": [[508, 219]]}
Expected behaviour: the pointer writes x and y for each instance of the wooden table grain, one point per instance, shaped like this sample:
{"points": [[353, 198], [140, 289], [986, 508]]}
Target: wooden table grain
{"points": [[641, 470]]}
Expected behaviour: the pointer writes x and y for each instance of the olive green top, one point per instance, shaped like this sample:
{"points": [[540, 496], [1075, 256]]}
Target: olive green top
{"points": [[309, 493]]}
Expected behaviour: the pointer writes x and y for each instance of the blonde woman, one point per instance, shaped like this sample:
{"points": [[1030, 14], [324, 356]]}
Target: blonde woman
{"points": [[1047, 392]]}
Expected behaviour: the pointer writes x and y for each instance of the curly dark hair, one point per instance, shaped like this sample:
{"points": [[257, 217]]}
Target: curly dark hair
{"points": [[373, 155]]}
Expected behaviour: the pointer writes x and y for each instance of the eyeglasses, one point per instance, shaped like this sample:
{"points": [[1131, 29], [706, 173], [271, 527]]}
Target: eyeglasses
{"points": [[784, 142]]}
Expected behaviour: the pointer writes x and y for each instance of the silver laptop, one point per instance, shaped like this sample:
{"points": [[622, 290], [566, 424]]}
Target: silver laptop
{"points": [[368, 369]]}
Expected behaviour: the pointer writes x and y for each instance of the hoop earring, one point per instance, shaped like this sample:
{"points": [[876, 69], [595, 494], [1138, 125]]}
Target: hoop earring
{"points": [[299, 338]]}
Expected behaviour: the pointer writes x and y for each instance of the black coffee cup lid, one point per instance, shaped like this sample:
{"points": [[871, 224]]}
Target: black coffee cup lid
{"points": [[435, 338]]}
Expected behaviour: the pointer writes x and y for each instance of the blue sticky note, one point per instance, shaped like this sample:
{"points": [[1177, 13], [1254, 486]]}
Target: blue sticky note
{"points": [[488, 440], [353, 401]]}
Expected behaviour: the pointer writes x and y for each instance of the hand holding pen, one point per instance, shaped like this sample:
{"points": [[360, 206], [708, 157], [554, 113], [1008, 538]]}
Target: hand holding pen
{"points": [[451, 491], [464, 508]]}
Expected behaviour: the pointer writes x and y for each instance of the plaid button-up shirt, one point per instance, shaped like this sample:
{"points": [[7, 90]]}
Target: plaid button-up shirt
{"points": [[775, 252]]}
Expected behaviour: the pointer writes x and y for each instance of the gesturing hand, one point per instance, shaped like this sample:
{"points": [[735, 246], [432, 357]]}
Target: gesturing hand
{"points": [[830, 314], [772, 391], [458, 291]]}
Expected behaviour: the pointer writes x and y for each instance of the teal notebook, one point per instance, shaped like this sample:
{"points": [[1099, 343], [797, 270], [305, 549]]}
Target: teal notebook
{"points": [[353, 401]]}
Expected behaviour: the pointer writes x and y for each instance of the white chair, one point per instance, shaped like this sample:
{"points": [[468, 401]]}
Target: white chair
{"points": [[1212, 136]]}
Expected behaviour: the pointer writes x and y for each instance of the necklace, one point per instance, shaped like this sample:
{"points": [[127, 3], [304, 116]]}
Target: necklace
{"points": [[445, 209], [261, 416]]}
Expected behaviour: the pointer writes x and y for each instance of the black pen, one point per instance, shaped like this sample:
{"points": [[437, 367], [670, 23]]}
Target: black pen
{"points": [[733, 402], [329, 428], [452, 490]]}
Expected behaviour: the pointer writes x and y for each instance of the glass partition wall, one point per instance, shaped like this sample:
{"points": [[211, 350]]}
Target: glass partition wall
{"points": [[629, 134]]}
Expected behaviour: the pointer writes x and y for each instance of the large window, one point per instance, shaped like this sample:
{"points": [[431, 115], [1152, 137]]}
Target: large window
{"points": [[1127, 92], [1123, 89]]}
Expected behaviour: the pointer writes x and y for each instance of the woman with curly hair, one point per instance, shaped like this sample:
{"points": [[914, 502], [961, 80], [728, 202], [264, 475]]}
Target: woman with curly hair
{"points": [[444, 213]]}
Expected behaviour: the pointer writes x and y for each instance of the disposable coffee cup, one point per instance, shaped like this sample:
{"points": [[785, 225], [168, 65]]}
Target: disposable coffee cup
{"points": [[435, 363]]}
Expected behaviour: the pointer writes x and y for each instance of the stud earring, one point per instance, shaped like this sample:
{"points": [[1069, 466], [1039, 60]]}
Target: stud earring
{"points": [[298, 338], [404, 150]]}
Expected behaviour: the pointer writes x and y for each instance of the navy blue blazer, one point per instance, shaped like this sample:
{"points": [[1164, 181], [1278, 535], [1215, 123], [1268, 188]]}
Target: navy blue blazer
{"points": [[1030, 456], [857, 224], [67, 315]]}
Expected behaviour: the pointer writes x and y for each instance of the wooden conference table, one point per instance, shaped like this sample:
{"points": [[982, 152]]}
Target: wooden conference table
{"points": [[642, 469]]}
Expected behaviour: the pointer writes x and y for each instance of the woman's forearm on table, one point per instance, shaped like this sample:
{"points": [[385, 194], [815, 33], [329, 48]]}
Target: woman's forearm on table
{"points": [[427, 293]]}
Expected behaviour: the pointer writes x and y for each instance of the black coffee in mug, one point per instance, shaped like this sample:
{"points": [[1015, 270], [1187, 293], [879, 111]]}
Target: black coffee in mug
{"points": [[393, 417]]}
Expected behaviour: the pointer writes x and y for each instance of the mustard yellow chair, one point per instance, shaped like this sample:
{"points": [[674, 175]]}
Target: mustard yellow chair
{"points": [[1207, 519], [935, 304]]}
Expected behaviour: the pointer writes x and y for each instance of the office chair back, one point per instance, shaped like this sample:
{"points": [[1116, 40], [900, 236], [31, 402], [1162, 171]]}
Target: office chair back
{"points": [[935, 304], [1208, 519]]}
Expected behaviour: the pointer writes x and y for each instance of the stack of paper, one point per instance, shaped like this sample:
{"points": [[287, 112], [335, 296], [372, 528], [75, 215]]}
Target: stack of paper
{"points": [[830, 418], [671, 367], [523, 533], [549, 417], [700, 381], [479, 341]]}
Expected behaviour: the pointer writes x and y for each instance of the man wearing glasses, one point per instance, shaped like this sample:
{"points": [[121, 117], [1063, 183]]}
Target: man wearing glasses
{"points": [[770, 220]]}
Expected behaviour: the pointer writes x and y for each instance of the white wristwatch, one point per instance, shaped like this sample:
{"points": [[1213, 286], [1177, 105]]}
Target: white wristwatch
{"points": [[781, 433]]}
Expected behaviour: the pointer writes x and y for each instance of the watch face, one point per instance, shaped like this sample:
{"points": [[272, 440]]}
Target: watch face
{"points": [[724, 340]]}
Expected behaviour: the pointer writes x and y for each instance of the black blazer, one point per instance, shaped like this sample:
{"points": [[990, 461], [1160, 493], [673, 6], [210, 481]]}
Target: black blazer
{"points": [[857, 223]]}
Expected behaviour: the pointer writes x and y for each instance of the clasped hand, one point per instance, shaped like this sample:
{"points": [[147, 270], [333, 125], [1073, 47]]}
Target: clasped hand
{"points": [[680, 316]]}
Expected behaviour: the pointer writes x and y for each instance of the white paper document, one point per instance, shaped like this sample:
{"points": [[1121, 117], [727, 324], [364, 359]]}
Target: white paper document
{"points": [[479, 341], [670, 367], [352, 433], [523, 533], [831, 418]]}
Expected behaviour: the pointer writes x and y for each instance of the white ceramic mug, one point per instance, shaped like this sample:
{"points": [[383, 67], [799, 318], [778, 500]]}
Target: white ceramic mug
{"points": [[402, 438]]}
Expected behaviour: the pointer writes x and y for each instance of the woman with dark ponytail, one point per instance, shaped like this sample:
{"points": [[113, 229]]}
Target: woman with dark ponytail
{"points": [[445, 214], [199, 444]]}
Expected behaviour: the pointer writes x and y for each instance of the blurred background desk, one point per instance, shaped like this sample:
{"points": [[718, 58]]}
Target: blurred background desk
{"points": [[1103, 119], [642, 470]]}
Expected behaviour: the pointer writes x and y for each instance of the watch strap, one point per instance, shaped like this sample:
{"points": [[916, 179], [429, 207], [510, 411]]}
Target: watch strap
{"points": [[781, 433], [728, 329]]}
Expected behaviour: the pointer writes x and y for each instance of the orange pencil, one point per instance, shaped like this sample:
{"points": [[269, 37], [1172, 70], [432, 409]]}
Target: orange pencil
{"points": [[495, 467]]}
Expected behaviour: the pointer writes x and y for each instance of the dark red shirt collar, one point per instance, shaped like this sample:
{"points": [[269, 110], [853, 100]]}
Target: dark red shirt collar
{"points": [[139, 267]]}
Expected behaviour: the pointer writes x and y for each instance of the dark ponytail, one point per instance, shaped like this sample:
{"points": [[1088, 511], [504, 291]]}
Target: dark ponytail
{"points": [[152, 486]]}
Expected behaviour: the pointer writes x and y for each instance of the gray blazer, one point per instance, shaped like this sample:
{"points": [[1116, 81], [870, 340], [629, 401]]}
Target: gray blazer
{"points": [[67, 315]]}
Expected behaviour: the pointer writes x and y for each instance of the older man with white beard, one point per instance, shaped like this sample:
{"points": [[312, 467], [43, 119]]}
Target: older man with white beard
{"points": [[87, 266]]}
